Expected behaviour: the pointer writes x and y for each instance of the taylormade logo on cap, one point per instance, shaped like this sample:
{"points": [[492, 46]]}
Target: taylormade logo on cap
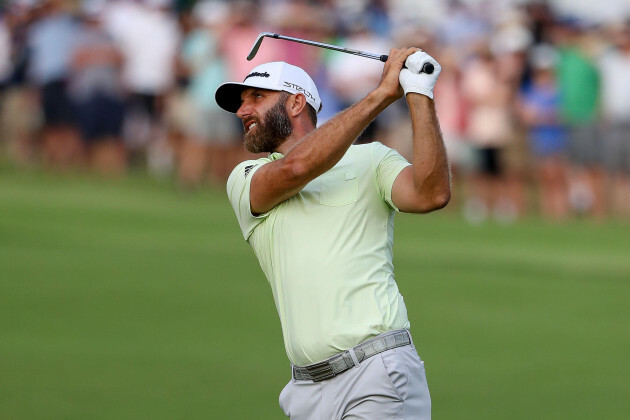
{"points": [[278, 76], [256, 74]]}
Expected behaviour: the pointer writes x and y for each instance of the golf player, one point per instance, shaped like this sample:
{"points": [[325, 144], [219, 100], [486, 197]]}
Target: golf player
{"points": [[318, 212]]}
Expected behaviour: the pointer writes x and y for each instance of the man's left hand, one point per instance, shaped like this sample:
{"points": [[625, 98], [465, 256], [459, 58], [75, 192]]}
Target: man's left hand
{"points": [[413, 81]]}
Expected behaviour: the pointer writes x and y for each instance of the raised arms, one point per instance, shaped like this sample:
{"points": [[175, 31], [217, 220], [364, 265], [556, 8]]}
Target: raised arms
{"points": [[315, 152]]}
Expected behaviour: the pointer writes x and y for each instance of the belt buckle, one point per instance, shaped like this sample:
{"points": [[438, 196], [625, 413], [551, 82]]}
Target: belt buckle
{"points": [[320, 371]]}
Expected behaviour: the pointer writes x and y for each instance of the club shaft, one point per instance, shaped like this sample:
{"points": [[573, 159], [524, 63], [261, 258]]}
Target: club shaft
{"points": [[331, 47], [426, 67]]}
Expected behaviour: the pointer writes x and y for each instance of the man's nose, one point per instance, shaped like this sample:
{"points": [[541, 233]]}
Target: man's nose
{"points": [[244, 110]]}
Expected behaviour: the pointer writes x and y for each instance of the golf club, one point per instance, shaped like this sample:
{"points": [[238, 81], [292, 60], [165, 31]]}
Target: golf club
{"points": [[426, 68]]}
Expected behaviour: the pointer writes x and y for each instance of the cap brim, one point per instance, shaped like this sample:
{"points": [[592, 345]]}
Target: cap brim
{"points": [[228, 95]]}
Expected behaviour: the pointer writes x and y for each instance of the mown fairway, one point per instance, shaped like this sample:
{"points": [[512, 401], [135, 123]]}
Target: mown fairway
{"points": [[131, 300]]}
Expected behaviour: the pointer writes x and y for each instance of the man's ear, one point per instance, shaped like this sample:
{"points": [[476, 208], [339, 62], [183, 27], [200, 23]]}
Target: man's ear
{"points": [[296, 104]]}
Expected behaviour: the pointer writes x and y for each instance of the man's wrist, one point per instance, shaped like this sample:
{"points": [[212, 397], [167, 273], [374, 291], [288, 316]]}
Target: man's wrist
{"points": [[419, 99], [380, 98]]}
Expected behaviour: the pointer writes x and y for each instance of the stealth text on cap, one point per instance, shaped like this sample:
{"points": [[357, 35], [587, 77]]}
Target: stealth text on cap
{"points": [[256, 74], [299, 89]]}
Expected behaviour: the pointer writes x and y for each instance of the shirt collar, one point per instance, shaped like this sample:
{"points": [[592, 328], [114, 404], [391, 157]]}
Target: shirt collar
{"points": [[275, 156]]}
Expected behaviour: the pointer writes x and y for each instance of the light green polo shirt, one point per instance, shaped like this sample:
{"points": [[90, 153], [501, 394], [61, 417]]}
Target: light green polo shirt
{"points": [[327, 252]]}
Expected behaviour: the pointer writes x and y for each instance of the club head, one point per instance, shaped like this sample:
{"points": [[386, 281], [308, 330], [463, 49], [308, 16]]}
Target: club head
{"points": [[256, 46]]}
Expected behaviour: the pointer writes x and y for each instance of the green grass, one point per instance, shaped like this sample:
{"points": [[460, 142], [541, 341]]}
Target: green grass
{"points": [[130, 299]]}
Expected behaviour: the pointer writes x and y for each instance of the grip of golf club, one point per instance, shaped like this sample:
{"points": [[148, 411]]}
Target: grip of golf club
{"points": [[426, 67]]}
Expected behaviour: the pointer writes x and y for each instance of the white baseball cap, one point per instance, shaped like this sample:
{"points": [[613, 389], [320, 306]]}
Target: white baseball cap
{"points": [[278, 76]]}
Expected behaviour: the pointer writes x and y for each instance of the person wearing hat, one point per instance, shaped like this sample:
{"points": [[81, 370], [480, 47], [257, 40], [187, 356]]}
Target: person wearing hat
{"points": [[318, 213]]}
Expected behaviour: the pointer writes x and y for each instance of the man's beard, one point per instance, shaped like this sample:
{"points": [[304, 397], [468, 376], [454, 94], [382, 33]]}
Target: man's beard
{"points": [[271, 131]]}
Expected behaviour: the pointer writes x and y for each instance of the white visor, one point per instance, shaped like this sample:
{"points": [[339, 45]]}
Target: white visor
{"points": [[278, 76]]}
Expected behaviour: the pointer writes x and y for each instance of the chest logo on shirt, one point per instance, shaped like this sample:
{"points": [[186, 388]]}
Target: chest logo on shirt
{"points": [[248, 169]]}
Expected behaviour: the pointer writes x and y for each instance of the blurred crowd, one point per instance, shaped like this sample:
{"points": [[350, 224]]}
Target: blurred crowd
{"points": [[534, 102]]}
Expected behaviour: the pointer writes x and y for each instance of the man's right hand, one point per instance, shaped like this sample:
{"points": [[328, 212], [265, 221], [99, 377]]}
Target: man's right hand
{"points": [[390, 84]]}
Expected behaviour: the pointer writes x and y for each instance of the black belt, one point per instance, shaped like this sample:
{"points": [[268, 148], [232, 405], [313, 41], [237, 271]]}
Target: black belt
{"points": [[343, 361]]}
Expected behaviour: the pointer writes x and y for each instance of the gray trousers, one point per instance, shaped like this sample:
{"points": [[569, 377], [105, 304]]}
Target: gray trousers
{"points": [[390, 385]]}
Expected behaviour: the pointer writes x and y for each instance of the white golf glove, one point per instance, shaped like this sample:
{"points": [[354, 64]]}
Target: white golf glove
{"points": [[412, 80]]}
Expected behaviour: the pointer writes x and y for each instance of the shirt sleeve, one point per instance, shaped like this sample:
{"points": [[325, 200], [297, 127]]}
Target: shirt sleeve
{"points": [[388, 163], [238, 189]]}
